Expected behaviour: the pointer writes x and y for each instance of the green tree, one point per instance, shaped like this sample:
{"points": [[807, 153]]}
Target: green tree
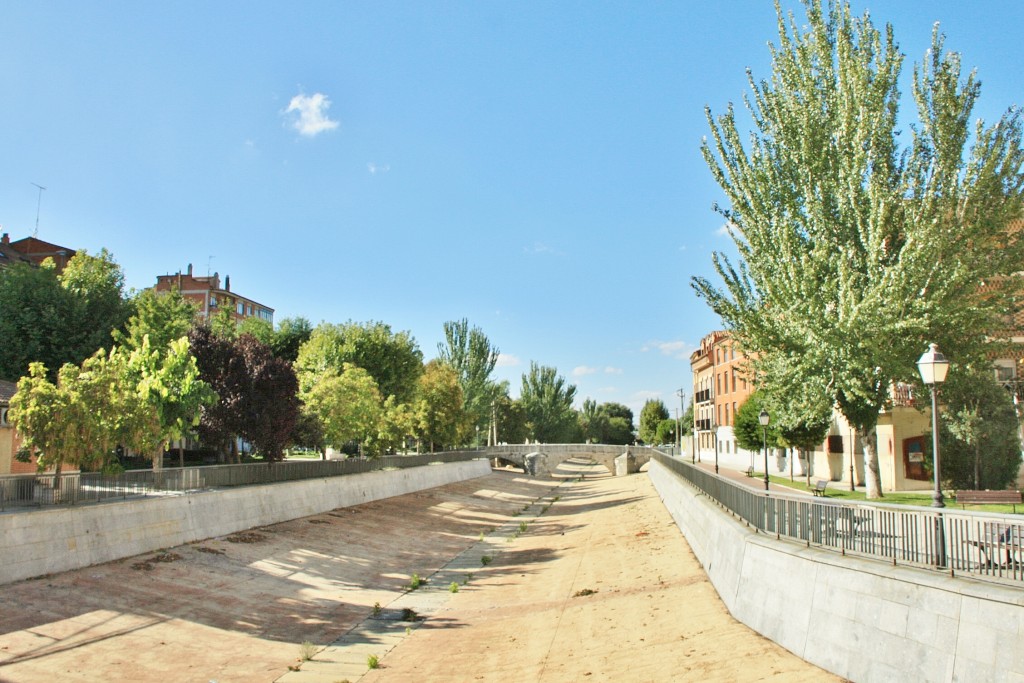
{"points": [[347, 404], [620, 424], [547, 401], [56, 319], [397, 423], [666, 432], [593, 422], [747, 429], [163, 317], [291, 334], [167, 396], [978, 433], [470, 353], [511, 419], [34, 310], [652, 414], [439, 405], [260, 329], [97, 285], [392, 359], [854, 251], [70, 421]]}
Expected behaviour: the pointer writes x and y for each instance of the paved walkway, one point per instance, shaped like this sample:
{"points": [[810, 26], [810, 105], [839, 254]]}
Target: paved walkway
{"points": [[587, 581]]}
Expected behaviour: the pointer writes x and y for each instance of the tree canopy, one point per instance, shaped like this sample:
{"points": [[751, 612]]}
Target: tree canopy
{"points": [[547, 401], [470, 353], [394, 360], [652, 415], [855, 250]]}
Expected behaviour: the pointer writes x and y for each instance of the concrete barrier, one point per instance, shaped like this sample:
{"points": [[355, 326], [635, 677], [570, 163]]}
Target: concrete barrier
{"points": [[58, 539], [860, 619]]}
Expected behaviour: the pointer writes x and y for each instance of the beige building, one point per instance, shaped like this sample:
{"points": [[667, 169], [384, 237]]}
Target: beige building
{"points": [[720, 387]]}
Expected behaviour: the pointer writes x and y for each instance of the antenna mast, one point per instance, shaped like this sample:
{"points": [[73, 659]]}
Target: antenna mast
{"points": [[39, 203]]}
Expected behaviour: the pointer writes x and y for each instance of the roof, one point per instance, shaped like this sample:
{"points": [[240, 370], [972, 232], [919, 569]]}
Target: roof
{"points": [[7, 391], [9, 255]]}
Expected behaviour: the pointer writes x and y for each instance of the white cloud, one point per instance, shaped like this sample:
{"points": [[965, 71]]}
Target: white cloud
{"points": [[581, 370], [539, 248], [507, 360], [646, 395], [311, 119], [675, 349], [725, 230], [374, 169], [612, 371]]}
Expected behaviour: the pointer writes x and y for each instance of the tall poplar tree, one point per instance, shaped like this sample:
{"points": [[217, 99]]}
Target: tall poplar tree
{"points": [[469, 352], [857, 249]]}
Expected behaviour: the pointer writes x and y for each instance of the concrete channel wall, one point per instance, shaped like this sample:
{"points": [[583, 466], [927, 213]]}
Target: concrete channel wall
{"points": [[54, 540], [860, 619]]}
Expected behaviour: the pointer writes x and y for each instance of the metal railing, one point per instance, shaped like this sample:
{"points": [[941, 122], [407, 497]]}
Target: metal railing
{"points": [[982, 545], [37, 490]]}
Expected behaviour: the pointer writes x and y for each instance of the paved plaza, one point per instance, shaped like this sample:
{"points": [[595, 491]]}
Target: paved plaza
{"points": [[586, 580]]}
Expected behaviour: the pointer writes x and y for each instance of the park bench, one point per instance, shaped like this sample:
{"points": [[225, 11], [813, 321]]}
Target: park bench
{"points": [[989, 498], [995, 538], [819, 487], [750, 471]]}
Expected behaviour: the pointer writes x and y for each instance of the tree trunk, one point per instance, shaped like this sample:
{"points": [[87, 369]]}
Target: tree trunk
{"points": [[977, 467], [872, 474]]}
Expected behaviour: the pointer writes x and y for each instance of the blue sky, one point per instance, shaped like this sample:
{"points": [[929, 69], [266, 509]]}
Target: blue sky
{"points": [[531, 166]]}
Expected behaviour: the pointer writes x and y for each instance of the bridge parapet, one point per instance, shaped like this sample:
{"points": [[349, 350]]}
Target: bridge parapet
{"points": [[555, 454]]}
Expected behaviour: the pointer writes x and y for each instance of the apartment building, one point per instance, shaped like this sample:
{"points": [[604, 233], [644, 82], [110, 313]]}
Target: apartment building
{"points": [[211, 298], [720, 386]]}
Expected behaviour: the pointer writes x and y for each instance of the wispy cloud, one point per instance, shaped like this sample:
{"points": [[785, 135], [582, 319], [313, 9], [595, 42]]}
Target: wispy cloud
{"points": [[646, 395], [310, 114], [612, 371], [374, 169], [725, 230], [507, 360], [675, 349], [539, 248], [582, 370]]}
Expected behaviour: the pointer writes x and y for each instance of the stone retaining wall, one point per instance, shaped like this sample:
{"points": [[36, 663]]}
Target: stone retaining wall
{"points": [[58, 539], [860, 619]]}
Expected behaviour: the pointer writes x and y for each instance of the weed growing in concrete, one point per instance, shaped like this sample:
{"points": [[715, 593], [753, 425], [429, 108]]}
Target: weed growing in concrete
{"points": [[522, 526], [372, 662], [454, 587], [376, 609], [485, 560], [306, 651], [481, 535], [409, 614], [415, 582], [469, 577], [408, 630]]}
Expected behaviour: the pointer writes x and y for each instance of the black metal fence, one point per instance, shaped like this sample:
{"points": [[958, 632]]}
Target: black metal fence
{"points": [[37, 490], [983, 545]]}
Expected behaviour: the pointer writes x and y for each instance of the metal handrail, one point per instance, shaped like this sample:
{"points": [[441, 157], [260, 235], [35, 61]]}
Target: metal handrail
{"points": [[982, 545], [38, 490]]}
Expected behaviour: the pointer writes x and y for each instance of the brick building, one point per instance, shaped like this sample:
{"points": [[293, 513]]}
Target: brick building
{"points": [[37, 251], [8, 254], [210, 297], [719, 388]]}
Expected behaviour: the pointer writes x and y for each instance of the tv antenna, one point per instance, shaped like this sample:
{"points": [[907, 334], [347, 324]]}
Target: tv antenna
{"points": [[39, 202]]}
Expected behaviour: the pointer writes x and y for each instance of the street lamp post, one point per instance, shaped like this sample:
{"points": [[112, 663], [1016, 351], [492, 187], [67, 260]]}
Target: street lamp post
{"points": [[933, 367], [764, 418], [714, 434]]}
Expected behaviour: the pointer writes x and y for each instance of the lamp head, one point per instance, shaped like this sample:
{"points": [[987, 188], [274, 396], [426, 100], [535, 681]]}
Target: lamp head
{"points": [[764, 418], [933, 366]]}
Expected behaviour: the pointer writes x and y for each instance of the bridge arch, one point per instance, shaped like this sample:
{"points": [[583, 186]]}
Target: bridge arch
{"points": [[541, 459]]}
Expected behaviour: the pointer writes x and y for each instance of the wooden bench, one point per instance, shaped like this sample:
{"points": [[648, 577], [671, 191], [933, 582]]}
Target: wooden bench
{"points": [[819, 487], [750, 471], [988, 498], [996, 538]]}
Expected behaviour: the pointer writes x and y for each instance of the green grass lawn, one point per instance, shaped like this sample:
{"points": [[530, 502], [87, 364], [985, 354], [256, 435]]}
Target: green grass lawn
{"points": [[841, 491]]}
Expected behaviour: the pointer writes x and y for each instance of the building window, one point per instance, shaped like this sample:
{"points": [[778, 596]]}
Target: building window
{"points": [[213, 301], [240, 307], [3, 417], [248, 309]]}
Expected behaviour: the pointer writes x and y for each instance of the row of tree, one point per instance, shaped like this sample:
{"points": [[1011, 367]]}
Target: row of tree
{"points": [[859, 243], [142, 371]]}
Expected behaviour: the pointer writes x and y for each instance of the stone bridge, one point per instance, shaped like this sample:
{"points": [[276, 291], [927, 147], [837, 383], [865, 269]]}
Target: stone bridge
{"points": [[541, 459]]}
